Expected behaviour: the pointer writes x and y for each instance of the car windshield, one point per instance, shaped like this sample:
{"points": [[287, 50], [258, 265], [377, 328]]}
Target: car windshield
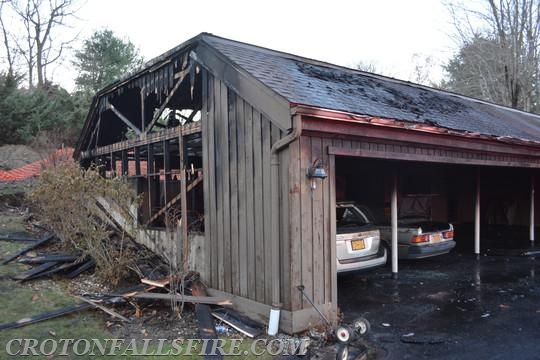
{"points": [[350, 216]]}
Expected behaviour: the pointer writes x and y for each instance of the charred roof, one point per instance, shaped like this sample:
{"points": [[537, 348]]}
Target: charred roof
{"points": [[302, 81], [318, 84]]}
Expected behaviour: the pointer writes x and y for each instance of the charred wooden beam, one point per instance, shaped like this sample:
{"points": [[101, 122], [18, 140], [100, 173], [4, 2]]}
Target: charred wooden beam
{"points": [[181, 77], [17, 237], [47, 258], [143, 98], [55, 270], [125, 163], [113, 163], [167, 169], [203, 312], [150, 169], [174, 200], [438, 156], [96, 129], [90, 263], [137, 154], [44, 316], [28, 248], [26, 275], [187, 129], [123, 118], [183, 203]]}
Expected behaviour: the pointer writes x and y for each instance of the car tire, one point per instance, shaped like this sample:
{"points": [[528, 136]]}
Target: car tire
{"points": [[385, 245]]}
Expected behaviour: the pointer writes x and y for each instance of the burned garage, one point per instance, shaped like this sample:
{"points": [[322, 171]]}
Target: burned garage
{"points": [[259, 152]]}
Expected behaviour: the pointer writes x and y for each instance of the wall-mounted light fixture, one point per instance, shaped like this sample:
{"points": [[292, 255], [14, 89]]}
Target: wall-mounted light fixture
{"points": [[316, 171]]}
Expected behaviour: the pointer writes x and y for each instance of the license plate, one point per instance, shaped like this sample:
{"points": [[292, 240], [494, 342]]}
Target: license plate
{"points": [[358, 244], [436, 237]]}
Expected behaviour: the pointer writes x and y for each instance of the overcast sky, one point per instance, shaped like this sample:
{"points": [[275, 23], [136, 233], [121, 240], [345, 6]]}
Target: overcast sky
{"points": [[387, 33]]}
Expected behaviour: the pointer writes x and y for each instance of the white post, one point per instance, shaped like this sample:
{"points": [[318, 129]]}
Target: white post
{"points": [[477, 218], [531, 229], [393, 211]]}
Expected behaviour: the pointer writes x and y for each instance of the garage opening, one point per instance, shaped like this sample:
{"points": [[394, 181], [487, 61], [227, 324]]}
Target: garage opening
{"points": [[443, 200]]}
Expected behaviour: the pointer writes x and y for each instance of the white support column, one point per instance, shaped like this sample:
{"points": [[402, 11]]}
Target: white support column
{"points": [[477, 218], [531, 229], [393, 211]]}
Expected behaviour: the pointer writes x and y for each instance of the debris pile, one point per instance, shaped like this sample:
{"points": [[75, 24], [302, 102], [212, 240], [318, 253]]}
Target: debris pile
{"points": [[46, 264], [126, 304]]}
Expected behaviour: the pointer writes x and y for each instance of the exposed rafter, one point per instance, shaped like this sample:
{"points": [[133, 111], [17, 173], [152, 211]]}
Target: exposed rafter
{"points": [[123, 118], [181, 77]]}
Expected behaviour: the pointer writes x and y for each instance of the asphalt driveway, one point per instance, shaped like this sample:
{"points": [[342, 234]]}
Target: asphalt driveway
{"points": [[450, 307]]}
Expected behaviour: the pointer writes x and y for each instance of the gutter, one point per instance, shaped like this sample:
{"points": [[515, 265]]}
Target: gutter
{"points": [[277, 147]]}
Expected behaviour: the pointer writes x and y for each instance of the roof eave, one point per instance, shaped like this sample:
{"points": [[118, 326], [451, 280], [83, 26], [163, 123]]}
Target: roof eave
{"points": [[330, 114]]}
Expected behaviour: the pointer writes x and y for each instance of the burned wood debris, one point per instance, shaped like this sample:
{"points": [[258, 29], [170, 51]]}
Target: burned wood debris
{"points": [[46, 263], [35, 244], [129, 301], [156, 288]]}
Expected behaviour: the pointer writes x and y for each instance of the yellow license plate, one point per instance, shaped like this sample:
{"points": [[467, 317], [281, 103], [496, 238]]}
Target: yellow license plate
{"points": [[358, 244], [436, 237]]}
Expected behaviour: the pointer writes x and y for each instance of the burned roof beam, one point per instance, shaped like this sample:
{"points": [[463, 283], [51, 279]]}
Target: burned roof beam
{"points": [[165, 134], [123, 118], [181, 77]]}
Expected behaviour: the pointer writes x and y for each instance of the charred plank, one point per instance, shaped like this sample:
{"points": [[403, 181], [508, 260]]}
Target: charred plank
{"points": [[90, 263], [28, 248], [48, 258], [26, 275], [44, 316]]}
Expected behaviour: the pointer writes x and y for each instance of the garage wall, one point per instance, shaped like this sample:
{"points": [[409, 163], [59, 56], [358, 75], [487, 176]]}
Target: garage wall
{"points": [[312, 250], [237, 142]]}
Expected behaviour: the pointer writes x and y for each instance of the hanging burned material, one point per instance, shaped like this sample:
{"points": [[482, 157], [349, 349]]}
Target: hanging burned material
{"points": [[192, 79]]}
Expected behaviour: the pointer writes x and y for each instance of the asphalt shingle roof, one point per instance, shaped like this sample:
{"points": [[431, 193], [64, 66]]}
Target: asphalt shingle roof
{"points": [[309, 82]]}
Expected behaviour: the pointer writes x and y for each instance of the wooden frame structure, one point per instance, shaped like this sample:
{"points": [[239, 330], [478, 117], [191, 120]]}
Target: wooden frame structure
{"points": [[266, 230]]}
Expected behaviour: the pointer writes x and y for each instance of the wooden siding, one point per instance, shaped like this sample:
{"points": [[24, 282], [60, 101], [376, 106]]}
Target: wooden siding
{"points": [[312, 254], [237, 141]]}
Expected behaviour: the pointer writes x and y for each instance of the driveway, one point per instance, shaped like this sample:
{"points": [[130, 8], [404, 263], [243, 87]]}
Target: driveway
{"points": [[450, 307]]}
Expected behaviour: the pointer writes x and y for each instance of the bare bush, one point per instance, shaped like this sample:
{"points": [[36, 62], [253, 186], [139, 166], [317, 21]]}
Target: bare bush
{"points": [[66, 194]]}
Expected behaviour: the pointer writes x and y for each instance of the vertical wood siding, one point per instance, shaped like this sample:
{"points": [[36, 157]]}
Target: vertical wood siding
{"points": [[310, 229], [237, 141]]}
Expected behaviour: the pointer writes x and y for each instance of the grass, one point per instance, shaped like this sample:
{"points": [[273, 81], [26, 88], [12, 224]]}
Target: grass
{"points": [[22, 300], [13, 189], [11, 223]]}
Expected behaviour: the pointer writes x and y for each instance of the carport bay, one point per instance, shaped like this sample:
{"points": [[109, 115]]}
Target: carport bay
{"points": [[444, 193]]}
